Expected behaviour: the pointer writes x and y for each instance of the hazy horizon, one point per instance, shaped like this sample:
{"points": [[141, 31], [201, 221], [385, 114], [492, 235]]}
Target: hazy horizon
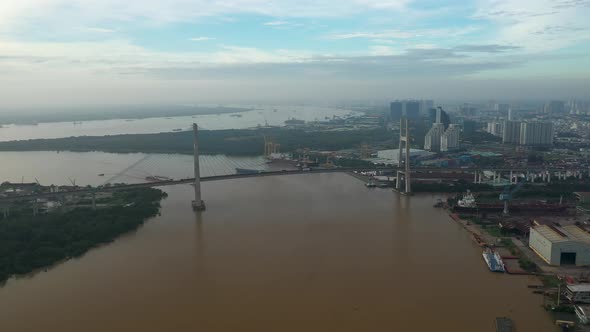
{"points": [[81, 52]]}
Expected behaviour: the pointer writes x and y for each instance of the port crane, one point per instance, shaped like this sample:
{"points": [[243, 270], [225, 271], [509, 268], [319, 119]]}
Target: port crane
{"points": [[506, 195]]}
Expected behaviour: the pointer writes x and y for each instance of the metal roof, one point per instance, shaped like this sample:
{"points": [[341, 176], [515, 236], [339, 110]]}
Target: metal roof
{"points": [[563, 234], [579, 287]]}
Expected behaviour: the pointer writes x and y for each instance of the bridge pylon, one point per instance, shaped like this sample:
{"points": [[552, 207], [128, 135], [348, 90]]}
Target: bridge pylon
{"points": [[404, 142], [198, 204]]}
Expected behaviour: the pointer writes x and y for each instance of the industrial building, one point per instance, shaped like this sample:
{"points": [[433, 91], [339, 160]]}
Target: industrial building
{"points": [[567, 245], [392, 156]]}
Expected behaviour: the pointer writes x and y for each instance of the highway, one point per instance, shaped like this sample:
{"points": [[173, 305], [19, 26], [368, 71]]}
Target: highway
{"points": [[110, 188]]}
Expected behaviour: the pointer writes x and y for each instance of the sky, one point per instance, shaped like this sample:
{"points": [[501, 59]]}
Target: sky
{"points": [[75, 52]]}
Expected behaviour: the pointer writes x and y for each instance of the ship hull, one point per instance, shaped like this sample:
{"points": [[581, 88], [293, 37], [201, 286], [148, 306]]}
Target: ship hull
{"points": [[513, 208]]}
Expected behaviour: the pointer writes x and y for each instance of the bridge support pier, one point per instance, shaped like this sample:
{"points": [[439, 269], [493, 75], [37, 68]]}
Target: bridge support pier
{"points": [[198, 204], [94, 201], [6, 212]]}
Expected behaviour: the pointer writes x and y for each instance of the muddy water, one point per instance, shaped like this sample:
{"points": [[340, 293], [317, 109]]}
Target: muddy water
{"points": [[292, 253]]}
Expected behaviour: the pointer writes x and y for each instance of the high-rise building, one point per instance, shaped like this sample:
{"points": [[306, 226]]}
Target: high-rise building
{"points": [[426, 106], [511, 132], [495, 128], [397, 110], [433, 137], [468, 110], [555, 107], [413, 109], [510, 114], [469, 127], [449, 140], [501, 108], [438, 115], [536, 133]]}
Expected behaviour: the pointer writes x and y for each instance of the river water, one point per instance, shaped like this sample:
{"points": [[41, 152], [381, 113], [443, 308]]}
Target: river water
{"points": [[62, 168], [259, 115], [312, 252]]}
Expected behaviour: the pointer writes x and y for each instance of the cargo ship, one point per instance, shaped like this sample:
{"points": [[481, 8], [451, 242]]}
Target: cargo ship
{"points": [[493, 260], [294, 122], [469, 204]]}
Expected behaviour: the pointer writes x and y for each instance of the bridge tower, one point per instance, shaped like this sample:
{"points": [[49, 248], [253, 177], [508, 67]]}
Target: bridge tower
{"points": [[404, 142], [198, 204]]}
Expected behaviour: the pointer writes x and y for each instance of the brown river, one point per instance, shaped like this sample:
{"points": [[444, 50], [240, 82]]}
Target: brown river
{"points": [[291, 253]]}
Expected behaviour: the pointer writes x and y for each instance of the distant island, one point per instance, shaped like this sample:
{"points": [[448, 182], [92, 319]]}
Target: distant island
{"points": [[239, 142], [29, 243], [25, 117]]}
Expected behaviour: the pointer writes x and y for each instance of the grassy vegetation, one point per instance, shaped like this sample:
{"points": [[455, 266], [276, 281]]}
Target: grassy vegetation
{"points": [[551, 281], [493, 230], [28, 243]]}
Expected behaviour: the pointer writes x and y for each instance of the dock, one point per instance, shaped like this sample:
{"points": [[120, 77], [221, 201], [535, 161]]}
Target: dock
{"points": [[504, 324]]}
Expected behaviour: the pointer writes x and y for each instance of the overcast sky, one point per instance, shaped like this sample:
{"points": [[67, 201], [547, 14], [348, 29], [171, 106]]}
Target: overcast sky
{"points": [[55, 52]]}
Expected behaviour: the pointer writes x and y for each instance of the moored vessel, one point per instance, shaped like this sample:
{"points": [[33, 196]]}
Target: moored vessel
{"points": [[493, 260]]}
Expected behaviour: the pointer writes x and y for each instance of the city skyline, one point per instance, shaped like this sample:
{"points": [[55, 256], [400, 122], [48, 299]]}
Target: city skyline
{"points": [[55, 52]]}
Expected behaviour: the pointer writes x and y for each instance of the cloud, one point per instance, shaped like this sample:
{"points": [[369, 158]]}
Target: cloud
{"points": [[276, 23], [198, 39], [536, 25], [99, 30], [492, 48], [404, 34]]}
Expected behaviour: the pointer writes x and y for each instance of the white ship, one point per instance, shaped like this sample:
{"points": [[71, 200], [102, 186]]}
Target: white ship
{"points": [[493, 260], [468, 201]]}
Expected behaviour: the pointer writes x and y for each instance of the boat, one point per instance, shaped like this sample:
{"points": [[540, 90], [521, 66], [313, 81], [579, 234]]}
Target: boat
{"points": [[236, 115], [581, 313], [504, 324], [371, 184], [177, 129], [247, 171], [101, 174], [493, 259]]}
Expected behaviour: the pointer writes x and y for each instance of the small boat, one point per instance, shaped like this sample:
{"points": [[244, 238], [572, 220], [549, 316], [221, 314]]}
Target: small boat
{"points": [[101, 174], [493, 260], [504, 324], [371, 184], [177, 129], [582, 314]]}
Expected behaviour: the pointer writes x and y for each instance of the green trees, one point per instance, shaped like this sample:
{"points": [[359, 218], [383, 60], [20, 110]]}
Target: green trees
{"points": [[230, 142], [29, 243]]}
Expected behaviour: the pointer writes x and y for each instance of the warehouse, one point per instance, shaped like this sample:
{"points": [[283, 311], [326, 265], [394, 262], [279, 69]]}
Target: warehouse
{"points": [[567, 245]]}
